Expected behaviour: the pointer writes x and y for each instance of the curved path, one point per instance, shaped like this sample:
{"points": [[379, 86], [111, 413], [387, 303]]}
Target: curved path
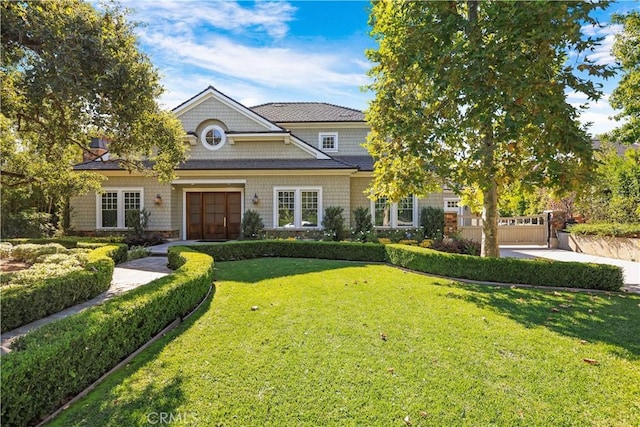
{"points": [[126, 276]]}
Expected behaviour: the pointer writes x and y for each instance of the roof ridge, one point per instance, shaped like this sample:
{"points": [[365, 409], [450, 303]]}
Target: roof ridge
{"points": [[307, 102]]}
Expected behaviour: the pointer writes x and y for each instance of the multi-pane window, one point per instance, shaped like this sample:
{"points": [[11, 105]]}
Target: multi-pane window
{"points": [[382, 213], [328, 141], [309, 216], [109, 209], [113, 205], [297, 207], [131, 204], [401, 214], [286, 208], [405, 212], [451, 205]]}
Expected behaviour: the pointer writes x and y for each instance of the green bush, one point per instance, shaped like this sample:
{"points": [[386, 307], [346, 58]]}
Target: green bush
{"points": [[350, 251], [333, 223], [6, 249], [44, 294], [60, 359], [137, 252], [252, 226], [29, 252], [507, 270], [27, 223], [607, 229], [432, 222], [363, 229]]}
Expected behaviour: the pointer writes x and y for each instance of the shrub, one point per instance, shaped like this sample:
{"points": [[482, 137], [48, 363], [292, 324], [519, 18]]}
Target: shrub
{"points": [[408, 242], [507, 270], [29, 252], [350, 251], [6, 249], [395, 235], [432, 222], [607, 229], [457, 245], [27, 223], [252, 226], [138, 221], [363, 230], [137, 252], [333, 223], [42, 294], [62, 358]]}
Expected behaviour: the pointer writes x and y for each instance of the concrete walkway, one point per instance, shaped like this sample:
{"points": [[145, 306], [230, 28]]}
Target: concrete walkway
{"points": [[630, 269], [126, 276]]}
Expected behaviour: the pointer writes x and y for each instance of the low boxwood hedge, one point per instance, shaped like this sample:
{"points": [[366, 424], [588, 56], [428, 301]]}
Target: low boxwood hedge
{"points": [[22, 304], [507, 270], [349, 251], [57, 361]]}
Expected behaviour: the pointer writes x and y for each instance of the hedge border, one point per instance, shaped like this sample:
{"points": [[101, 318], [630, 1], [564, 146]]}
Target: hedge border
{"points": [[20, 305], [57, 361], [535, 272]]}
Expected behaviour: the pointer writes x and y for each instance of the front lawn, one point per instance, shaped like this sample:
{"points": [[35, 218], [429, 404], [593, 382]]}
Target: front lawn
{"points": [[339, 343]]}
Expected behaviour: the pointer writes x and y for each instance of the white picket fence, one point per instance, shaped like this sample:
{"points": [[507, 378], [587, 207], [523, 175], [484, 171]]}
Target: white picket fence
{"points": [[524, 230]]}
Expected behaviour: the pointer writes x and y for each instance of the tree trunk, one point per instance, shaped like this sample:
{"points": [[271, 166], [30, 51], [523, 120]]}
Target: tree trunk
{"points": [[489, 246]]}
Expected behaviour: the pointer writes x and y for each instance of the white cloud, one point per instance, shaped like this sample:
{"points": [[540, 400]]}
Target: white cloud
{"points": [[263, 65], [271, 18], [602, 53]]}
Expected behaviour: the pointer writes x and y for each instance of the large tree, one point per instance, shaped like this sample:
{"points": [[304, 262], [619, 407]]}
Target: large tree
{"points": [[70, 72], [473, 94], [625, 97]]}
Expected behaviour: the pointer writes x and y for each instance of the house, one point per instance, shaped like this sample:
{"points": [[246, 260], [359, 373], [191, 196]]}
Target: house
{"points": [[288, 161]]}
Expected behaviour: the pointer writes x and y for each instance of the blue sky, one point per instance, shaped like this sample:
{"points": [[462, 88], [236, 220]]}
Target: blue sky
{"points": [[257, 52]]}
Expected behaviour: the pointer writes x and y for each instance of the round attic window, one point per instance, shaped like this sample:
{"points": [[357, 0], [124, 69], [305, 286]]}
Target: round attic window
{"points": [[213, 137]]}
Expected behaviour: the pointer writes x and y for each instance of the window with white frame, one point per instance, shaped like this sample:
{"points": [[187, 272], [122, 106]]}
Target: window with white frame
{"points": [[401, 214], [297, 207], [328, 141], [113, 205], [451, 205]]}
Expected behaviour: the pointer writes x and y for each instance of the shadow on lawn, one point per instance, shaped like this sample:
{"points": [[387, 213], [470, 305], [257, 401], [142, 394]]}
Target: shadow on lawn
{"points": [[611, 318], [255, 270], [156, 404]]}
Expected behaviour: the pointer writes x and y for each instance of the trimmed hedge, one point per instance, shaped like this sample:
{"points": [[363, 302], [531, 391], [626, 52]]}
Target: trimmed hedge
{"points": [[68, 242], [22, 304], [349, 251], [607, 229], [59, 360], [507, 270]]}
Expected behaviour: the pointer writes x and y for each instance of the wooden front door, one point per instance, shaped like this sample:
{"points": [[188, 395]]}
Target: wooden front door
{"points": [[214, 215]]}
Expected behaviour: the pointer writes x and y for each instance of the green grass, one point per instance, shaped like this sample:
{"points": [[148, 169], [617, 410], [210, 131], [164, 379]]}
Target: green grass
{"points": [[313, 354]]}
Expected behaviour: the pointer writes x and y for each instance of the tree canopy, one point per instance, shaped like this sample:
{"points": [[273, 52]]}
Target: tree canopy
{"points": [[70, 72], [473, 95], [625, 97]]}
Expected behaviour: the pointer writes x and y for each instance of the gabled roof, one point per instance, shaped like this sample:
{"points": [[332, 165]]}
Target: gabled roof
{"points": [[230, 164], [307, 112], [212, 92]]}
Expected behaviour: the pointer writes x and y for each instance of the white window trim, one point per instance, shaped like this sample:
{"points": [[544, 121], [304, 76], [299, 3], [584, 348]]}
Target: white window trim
{"points": [[297, 208], [335, 138], [120, 191], [203, 137], [394, 215], [451, 199]]}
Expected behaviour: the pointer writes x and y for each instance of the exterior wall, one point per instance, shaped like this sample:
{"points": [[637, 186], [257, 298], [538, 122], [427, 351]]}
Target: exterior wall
{"points": [[213, 109], [83, 216], [248, 150], [358, 196], [349, 140]]}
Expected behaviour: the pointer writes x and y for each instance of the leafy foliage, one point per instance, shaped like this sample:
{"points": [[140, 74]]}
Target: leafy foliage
{"points": [[614, 193], [363, 230], [333, 223], [252, 225], [607, 229], [69, 73], [625, 97], [432, 222], [60, 359], [473, 94]]}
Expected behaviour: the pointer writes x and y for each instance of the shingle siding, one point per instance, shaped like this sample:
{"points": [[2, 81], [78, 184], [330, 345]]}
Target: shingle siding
{"points": [[213, 109], [349, 140], [249, 150]]}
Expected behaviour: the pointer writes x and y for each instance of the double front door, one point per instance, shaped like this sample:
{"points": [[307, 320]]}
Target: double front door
{"points": [[214, 215]]}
